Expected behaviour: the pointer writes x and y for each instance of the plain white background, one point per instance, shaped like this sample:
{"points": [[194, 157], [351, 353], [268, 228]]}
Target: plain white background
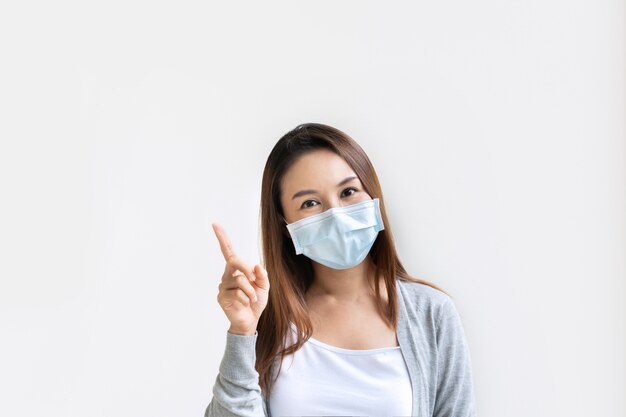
{"points": [[127, 127]]}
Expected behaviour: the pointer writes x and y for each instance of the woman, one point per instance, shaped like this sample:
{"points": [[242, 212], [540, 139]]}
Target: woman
{"points": [[344, 330]]}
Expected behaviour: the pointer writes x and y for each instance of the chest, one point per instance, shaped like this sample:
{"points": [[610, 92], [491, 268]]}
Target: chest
{"points": [[321, 379], [356, 327]]}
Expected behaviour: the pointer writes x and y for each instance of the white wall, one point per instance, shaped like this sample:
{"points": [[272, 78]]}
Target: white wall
{"points": [[496, 127]]}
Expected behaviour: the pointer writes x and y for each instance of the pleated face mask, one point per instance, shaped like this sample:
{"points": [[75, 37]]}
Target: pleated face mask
{"points": [[340, 237]]}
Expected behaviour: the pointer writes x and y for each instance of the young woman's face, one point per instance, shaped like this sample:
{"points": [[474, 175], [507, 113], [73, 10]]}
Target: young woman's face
{"points": [[317, 181]]}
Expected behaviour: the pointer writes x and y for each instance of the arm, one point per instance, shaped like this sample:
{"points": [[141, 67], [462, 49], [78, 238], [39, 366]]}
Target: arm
{"points": [[455, 388], [236, 391], [243, 295]]}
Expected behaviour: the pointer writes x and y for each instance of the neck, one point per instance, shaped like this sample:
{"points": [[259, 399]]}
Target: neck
{"points": [[343, 284]]}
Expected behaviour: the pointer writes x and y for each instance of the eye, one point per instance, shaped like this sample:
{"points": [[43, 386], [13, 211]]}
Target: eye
{"points": [[304, 205], [350, 189], [343, 194]]}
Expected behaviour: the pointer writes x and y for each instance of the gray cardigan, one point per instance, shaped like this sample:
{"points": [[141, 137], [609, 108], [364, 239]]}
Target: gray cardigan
{"points": [[432, 341]]}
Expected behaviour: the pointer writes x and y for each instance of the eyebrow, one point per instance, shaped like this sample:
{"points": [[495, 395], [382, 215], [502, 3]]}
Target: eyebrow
{"points": [[304, 192]]}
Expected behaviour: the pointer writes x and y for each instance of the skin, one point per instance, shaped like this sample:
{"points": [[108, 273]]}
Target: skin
{"points": [[243, 291], [341, 302]]}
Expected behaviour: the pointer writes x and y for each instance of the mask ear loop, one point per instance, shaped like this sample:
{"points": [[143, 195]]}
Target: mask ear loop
{"points": [[284, 227]]}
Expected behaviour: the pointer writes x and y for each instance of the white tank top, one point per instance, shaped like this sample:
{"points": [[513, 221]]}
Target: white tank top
{"points": [[321, 379]]}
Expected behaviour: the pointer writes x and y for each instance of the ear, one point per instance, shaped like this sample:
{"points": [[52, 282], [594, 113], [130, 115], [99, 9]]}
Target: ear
{"points": [[285, 231], [283, 226]]}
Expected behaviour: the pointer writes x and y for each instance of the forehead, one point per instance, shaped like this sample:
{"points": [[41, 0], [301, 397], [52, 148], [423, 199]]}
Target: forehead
{"points": [[319, 168]]}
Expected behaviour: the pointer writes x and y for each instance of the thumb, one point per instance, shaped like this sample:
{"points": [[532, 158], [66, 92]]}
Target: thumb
{"points": [[262, 280]]}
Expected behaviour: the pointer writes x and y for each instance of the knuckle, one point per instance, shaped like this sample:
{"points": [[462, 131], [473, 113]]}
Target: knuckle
{"points": [[243, 297]]}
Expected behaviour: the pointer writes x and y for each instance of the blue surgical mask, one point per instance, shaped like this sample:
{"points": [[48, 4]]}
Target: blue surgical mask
{"points": [[340, 237]]}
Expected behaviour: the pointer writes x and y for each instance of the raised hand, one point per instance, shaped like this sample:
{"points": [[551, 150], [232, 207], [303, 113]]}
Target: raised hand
{"points": [[243, 292]]}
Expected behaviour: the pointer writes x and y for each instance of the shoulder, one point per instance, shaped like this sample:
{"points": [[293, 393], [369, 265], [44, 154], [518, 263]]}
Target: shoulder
{"points": [[423, 300], [422, 295]]}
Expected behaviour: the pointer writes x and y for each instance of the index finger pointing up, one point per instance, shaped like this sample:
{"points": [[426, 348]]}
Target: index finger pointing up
{"points": [[225, 246]]}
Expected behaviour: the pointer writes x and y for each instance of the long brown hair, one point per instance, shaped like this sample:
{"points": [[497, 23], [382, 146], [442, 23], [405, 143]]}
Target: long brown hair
{"points": [[291, 275]]}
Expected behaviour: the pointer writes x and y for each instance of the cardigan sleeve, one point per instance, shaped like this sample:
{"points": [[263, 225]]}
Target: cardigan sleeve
{"points": [[455, 387], [236, 391]]}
